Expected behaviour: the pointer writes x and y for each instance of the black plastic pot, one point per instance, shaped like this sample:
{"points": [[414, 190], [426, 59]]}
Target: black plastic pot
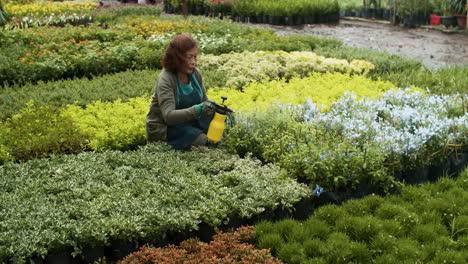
{"points": [[63, 257], [458, 162], [448, 21], [119, 249], [387, 14], [91, 255], [299, 20], [366, 13]]}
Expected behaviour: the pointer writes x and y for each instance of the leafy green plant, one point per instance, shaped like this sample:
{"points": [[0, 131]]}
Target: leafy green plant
{"points": [[458, 6], [93, 198], [382, 230], [39, 132]]}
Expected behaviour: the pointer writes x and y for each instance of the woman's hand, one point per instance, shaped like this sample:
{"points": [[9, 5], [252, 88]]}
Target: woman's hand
{"points": [[206, 108]]}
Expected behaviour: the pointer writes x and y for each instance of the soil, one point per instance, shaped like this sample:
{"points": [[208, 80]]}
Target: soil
{"points": [[434, 48]]}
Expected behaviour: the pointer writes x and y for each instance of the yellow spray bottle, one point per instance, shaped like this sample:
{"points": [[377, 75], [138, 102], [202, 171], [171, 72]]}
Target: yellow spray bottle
{"points": [[218, 123]]}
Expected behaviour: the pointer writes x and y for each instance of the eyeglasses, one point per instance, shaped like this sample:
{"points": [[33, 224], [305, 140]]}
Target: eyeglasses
{"points": [[191, 56]]}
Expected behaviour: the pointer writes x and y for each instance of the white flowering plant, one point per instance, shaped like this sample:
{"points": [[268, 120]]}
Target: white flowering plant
{"points": [[356, 141]]}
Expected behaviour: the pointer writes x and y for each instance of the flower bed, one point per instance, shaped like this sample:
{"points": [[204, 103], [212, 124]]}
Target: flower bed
{"points": [[90, 200]]}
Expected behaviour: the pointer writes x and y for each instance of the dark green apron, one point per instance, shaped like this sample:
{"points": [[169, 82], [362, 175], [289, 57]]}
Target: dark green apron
{"points": [[182, 135]]}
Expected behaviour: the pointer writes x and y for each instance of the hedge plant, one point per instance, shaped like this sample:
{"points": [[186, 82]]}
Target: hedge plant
{"points": [[93, 199]]}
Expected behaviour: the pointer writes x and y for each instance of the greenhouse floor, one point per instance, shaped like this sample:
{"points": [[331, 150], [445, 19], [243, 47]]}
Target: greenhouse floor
{"points": [[432, 46]]}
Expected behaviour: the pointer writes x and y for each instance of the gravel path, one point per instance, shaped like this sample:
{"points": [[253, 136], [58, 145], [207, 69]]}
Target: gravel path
{"points": [[434, 48]]}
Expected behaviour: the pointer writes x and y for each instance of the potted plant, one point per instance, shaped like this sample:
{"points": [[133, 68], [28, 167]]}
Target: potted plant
{"points": [[458, 7], [447, 19]]}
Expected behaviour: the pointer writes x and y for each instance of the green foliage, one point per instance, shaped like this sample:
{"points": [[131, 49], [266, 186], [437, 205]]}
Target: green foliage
{"points": [[39, 132], [236, 70], [272, 241], [291, 253], [107, 88], [114, 125], [322, 89], [383, 62], [307, 152], [94, 198], [380, 230], [115, 14]]}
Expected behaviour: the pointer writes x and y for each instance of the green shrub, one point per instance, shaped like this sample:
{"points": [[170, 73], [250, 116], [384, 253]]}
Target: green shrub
{"points": [[387, 230], [364, 206], [39, 132], [272, 241], [92, 199], [107, 88], [384, 62], [330, 214], [313, 247], [113, 125], [447, 80], [359, 228], [291, 253], [384, 243], [316, 228], [428, 232]]}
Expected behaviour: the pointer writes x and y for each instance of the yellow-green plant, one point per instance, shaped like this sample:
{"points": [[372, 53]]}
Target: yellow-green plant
{"points": [[322, 88], [235, 70], [43, 8], [111, 125]]}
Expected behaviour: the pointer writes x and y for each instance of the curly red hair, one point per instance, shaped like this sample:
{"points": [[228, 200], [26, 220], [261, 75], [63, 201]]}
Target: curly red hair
{"points": [[174, 57]]}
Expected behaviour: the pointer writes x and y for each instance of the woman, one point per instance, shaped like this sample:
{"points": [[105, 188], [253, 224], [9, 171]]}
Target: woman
{"points": [[180, 112]]}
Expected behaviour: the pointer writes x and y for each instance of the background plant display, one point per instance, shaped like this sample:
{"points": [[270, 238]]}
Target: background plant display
{"points": [[93, 199], [423, 224]]}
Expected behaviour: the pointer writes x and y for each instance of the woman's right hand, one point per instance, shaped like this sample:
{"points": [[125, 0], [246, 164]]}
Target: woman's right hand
{"points": [[206, 108]]}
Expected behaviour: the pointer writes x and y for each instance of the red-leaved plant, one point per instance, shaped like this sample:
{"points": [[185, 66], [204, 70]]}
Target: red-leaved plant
{"points": [[231, 247]]}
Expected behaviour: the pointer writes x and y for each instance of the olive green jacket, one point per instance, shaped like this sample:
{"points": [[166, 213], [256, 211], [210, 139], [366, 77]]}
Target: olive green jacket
{"points": [[163, 111]]}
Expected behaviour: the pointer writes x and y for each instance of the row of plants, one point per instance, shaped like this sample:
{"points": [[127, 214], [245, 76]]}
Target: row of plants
{"points": [[378, 136], [423, 224], [100, 125], [226, 247], [263, 11], [102, 16], [136, 83], [73, 202], [356, 141], [49, 53], [233, 70], [373, 229], [236, 70], [45, 8]]}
